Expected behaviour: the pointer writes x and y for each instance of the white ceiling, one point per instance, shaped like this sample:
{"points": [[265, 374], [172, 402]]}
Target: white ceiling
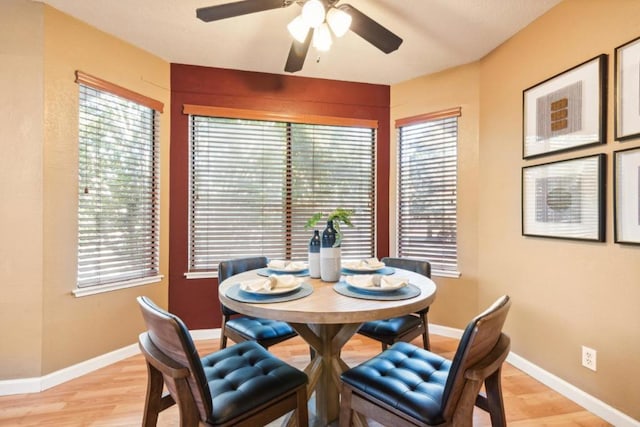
{"points": [[437, 34]]}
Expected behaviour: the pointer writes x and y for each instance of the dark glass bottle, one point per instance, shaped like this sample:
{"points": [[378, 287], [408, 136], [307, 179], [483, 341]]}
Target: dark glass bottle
{"points": [[314, 255], [329, 235], [330, 262]]}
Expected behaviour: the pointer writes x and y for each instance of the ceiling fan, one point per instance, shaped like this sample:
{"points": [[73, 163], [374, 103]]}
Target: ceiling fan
{"points": [[360, 24]]}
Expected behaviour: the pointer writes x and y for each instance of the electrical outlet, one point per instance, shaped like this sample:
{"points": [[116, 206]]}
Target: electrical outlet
{"points": [[589, 358]]}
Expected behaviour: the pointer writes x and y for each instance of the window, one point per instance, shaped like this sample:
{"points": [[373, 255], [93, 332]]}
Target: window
{"points": [[118, 206], [427, 168], [255, 183]]}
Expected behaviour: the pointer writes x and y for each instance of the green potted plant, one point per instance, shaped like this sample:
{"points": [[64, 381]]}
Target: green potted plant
{"points": [[330, 264], [338, 216]]}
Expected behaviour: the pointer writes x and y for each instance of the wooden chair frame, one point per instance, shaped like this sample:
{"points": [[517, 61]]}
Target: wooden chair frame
{"points": [[487, 372], [423, 328], [227, 269], [473, 371], [184, 389]]}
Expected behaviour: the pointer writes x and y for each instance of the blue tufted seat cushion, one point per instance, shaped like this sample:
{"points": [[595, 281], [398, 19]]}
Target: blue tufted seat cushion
{"points": [[405, 377], [244, 376], [260, 329], [391, 327]]}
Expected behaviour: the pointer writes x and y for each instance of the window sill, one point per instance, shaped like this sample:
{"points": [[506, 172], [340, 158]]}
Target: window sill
{"points": [[451, 274], [201, 275], [99, 289]]}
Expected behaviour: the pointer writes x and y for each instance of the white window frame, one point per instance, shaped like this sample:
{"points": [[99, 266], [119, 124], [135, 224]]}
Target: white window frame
{"points": [[136, 142], [412, 239], [297, 213]]}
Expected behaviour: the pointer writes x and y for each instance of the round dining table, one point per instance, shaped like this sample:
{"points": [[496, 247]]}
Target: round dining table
{"points": [[326, 320]]}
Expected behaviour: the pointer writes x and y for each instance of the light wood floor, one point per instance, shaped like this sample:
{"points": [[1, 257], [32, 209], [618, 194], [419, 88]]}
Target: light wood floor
{"points": [[114, 396]]}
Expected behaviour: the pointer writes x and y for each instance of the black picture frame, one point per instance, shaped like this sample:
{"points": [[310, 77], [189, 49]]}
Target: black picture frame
{"points": [[627, 90], [565, 199], [567, 111], [626, 199]]}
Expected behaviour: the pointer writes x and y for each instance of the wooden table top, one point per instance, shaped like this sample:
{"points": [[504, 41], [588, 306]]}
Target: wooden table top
{"points": [[326, 306]]}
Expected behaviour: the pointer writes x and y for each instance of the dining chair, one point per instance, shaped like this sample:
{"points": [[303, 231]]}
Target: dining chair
{"points": [[241, 328], [402, 328], [240, 385], [409, 386]]}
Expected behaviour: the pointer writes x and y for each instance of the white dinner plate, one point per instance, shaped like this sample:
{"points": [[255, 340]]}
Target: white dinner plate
{"points": [[362, 268], [287, 270], [276, 291], [375, 288], [284, 270]]}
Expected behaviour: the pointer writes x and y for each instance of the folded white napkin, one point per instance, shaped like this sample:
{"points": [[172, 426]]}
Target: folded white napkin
{"points": [[374, 263], [271, 283], [370, 263], [254, 285], [284, 281], [276, 263], [376, 281], [286, 265]]}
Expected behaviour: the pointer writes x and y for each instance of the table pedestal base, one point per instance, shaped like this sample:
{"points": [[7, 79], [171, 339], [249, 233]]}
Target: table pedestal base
{"points": [[326, 366]]}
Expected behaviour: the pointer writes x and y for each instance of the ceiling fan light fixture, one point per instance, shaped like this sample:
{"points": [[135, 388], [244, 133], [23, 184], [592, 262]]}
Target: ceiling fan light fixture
{"points": [[313, 13], [339, 21], [322, 38], [318, 22], [298, 29]]}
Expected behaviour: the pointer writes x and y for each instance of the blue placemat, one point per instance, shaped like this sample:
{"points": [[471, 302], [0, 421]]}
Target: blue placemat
{"points": [[266, 272], [234, 292], [386, 271], [405, 292]]}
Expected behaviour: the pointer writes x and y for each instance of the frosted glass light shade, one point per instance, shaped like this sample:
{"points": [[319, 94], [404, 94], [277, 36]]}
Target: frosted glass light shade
{"points": [[322, 38], [298, 29], [339, 21], [313, 13]]}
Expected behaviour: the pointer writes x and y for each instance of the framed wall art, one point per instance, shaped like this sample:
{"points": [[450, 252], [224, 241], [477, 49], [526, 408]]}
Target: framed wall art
{"points": [[567, 111], [627, 59], [565, 199], [626, 203]]}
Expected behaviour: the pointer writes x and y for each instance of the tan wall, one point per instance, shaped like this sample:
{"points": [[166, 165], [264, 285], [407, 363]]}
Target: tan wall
{"points": [[51, 329], [456, 300], [566, 293], [76, 329], [21, 240]]}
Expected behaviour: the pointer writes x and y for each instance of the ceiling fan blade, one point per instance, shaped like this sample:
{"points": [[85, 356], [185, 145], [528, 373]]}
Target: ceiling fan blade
{"points": [[298, 53], [244, 7], [371, 31]]}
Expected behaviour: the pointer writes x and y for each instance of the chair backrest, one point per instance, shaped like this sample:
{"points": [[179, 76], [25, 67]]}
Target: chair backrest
{"points": [[235, 266], [231, 267], [416, 265], [479, 338], [171, 337]]}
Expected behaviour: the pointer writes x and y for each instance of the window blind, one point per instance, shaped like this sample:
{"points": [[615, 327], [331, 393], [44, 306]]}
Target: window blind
{"points": [[427, 187], [254, 184], [118, 216]]}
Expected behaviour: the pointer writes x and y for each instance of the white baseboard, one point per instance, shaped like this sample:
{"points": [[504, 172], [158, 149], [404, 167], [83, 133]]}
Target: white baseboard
{"points": [[571, 392], [205, 334], [445, 331], [38, 384], [590, 403], [20, 386]]}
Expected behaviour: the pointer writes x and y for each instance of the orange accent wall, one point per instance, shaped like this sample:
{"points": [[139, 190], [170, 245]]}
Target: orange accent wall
{"points": [[196, 300]]}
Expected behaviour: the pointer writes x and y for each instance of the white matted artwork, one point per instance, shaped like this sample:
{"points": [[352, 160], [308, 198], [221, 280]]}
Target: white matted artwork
{"points": [[628, 90], [627, 196], [565, 199], [567, 111]]}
